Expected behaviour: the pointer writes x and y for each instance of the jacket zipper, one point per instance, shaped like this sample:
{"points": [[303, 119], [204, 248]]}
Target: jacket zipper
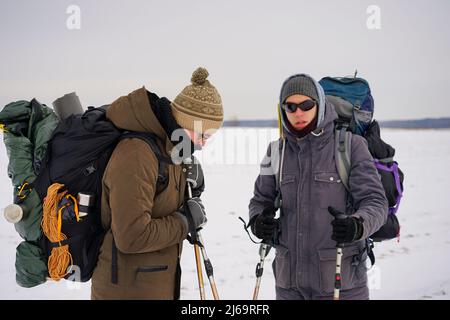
{"points": [[151, 269]]}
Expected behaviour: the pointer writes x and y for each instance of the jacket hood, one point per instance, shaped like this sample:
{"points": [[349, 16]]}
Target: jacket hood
{"points": [[321, 104], [134, 113]]}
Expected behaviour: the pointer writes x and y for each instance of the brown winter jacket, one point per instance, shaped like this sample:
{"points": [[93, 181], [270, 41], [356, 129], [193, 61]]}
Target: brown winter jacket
{"points": [[147, 232]]}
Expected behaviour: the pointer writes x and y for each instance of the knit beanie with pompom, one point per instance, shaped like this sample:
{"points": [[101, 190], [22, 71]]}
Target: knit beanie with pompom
{"points": [[199, 102]]}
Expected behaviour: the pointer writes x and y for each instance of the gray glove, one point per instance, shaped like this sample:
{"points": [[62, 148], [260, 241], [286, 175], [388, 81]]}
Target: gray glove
{"points": [[194, 175], [194, 213]]}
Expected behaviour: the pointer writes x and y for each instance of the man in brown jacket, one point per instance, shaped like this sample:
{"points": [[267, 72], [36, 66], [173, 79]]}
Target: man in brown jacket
{"points": [[139, 258]]}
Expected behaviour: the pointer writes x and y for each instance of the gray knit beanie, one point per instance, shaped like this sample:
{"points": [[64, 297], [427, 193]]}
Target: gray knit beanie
{"points": [[299, 85]]}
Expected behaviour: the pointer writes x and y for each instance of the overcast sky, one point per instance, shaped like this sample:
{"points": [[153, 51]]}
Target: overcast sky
{"points": [[249, 48]]}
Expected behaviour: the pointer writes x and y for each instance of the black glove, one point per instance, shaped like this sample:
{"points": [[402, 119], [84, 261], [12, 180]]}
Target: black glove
{"points": [[194, 176], [346, 229], [194, 212], [265, 226]]}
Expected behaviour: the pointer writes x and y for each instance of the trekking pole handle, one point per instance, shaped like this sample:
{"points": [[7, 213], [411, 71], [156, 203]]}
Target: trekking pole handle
{"points": [[340, 217]]}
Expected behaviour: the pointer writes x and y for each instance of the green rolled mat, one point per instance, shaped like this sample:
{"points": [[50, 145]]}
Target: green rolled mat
{"points": [[29, 228], [31, 265]]}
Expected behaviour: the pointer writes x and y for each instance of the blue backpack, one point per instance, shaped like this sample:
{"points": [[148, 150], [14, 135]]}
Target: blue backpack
{"points": [[354, 104], [352, 100]]}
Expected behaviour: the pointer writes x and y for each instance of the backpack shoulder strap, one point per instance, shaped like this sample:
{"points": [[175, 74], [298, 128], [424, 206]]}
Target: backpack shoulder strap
{"points": [[163, 160], [343, 156], [343, 140]]}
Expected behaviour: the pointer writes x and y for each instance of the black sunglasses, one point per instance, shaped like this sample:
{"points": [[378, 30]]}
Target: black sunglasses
{"points": [[304, 106]]}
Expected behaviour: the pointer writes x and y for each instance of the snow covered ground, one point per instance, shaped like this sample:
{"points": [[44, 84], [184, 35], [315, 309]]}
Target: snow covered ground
{"points": [[417, 267]]}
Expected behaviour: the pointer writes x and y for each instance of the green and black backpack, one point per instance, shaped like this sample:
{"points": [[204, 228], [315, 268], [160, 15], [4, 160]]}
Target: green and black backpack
{"points": [[73, 152]]}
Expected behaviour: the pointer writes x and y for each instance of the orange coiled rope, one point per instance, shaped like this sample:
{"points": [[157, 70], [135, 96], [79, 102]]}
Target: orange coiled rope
{"points": [[60, 257]]}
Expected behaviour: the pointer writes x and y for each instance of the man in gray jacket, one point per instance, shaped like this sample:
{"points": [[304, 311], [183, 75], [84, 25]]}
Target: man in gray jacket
{"points": [[312, 194]]}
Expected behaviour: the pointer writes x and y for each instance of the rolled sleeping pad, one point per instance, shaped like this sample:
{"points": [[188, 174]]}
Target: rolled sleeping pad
{"points": [[67, 105]]}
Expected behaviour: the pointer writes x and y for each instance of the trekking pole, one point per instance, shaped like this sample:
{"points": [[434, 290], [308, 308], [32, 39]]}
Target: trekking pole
{"points": [[339, 254], [263, 252], [208, 265], [337, 278], [201, 285], [198, 263]]}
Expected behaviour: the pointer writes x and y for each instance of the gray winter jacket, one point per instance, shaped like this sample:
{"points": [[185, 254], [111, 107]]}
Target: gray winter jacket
{"points": [[306, 254]]}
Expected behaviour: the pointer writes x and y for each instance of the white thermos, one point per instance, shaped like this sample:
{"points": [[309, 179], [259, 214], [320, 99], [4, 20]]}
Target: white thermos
{"points": [[85, 202]]}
